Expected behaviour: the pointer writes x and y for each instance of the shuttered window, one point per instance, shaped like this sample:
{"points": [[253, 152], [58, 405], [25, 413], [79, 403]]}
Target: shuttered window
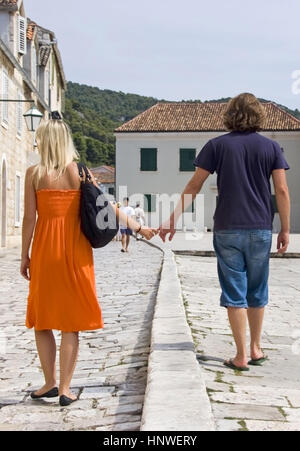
{"points": [[150, 203], [18, 201], [19, 114], [47, 87], [22, 25], [187, 158], [5, 86], [34, 65], [148, 159]]}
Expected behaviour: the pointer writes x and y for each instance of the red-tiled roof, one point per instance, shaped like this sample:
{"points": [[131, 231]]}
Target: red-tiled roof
{"points": [[200, 117], [30, 30], [104, 174]]}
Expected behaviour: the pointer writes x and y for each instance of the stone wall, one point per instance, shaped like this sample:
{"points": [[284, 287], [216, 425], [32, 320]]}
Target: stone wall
{"points": [[17, 152]]}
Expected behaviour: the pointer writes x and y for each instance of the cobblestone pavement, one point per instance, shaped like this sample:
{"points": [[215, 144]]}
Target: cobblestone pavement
{"points": [[112, 368], [268, 397]]}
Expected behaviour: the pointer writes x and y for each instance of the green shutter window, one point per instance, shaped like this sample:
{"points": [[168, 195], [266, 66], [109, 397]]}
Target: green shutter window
{"points": [[274, 202], [187, 158], [150, 203], [148, 159], [191, 208]]}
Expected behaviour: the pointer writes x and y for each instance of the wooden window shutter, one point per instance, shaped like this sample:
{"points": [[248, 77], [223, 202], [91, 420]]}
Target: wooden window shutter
{"points": [[187, 158], [19, 114], [22, 35], [150, 203], [5, 87], [148, 159]]}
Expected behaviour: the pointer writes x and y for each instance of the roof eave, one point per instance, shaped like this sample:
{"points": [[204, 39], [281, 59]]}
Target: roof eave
{"points": [[200, 131]]}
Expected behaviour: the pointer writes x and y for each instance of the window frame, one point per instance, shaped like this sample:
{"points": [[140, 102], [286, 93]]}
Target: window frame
{"points": [[18, 199], [143, 149], [22, 38], [19, 115], [4, 95], [153, 206], [181, 153]]}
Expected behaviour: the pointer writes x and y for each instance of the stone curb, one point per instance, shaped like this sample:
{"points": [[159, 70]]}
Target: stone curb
{"points": [[176, 397]]}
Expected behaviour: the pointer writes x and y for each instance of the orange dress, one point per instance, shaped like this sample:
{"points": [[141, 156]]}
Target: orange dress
{"points": [[62, 289]]}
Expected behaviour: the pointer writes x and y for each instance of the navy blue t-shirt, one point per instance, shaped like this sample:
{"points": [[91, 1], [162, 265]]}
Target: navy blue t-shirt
{"points": [[244, 162]]}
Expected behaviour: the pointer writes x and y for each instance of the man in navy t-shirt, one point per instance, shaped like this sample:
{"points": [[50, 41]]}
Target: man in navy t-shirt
{"points": [[244, 162]]}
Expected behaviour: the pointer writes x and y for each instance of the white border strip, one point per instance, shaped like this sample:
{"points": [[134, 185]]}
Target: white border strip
{"points": [[176, 397]]}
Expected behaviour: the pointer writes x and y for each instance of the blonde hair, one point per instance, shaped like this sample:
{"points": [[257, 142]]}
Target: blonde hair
{"points": [[56, 148]]}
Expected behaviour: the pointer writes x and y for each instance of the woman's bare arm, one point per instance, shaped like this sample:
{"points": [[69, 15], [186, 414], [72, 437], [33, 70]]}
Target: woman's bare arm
{"points": [[128, 222], [29, 222]]}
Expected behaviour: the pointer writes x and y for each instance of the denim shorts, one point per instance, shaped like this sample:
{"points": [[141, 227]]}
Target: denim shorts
{"points": [[243, 266], [126, 232]]}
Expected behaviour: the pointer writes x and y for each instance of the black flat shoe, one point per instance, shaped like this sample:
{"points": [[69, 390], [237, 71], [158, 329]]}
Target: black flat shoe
{"points": [[65, 401], [53, 393]]}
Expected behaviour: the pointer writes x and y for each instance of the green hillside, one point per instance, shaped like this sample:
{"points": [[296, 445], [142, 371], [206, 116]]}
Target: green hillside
{"points": [[93, 115]]}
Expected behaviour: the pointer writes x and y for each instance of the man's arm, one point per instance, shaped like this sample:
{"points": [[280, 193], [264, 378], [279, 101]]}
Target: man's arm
{"points": [[190, 192], [284, 208]]}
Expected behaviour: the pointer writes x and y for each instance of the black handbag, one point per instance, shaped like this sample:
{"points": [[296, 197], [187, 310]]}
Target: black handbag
{"points": [[99, 222]]}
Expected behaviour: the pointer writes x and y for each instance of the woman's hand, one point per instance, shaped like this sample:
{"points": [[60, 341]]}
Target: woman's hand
{"points": [[166, 228], [24, 270], [148, 232]]}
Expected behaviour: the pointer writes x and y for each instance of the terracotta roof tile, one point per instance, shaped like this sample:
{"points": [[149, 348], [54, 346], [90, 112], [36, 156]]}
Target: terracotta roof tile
{"points": [[200, 117], [104, 174], [30, 30]]}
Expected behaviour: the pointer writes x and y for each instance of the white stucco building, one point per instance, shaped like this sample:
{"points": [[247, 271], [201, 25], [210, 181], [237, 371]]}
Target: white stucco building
{"points": [[155, 153]]}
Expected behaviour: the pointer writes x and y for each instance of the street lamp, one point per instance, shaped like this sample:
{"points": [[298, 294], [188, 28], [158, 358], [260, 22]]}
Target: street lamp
{"points": [[33, 118]]}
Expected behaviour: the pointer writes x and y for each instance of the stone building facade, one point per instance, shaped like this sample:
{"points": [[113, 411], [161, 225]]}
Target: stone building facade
{"points": [[30, 69]]}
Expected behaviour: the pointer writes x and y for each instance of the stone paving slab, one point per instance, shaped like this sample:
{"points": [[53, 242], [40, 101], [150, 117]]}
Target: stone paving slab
{"points": [[111, 374], [267, 397]]}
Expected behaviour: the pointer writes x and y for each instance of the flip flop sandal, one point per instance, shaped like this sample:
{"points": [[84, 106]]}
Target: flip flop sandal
{"points": [[258, 362], [232, 366]]}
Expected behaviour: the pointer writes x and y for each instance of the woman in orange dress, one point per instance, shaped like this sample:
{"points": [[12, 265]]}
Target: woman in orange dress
{"points": [[62, 290]]}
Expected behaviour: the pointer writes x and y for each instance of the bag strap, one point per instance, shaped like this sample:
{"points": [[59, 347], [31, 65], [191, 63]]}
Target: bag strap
{"points": [[81, 168]]}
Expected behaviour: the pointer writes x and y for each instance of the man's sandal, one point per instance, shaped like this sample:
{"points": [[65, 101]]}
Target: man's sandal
{"points": [[258, 362], [232, 366]]}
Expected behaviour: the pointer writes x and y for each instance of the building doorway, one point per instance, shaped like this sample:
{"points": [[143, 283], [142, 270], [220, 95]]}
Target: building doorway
{"points": [[3, 203]]}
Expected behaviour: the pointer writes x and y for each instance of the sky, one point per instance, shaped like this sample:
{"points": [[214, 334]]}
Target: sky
{"points": [[175, 49]]}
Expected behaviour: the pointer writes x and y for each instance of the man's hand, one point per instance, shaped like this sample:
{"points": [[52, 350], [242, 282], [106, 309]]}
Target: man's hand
{"points": [[283, 242], [24, 270], [148, 233], [166, 228]]}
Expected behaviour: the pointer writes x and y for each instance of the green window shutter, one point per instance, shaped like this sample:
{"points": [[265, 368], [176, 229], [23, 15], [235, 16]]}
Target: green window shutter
{"points": [[191, 208], [148, 159], [187, 158], [274, 202], [150, 203]]}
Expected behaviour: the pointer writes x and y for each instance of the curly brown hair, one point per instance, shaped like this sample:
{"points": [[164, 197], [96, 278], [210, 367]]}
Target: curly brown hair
{"points": [[244, 113]]}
